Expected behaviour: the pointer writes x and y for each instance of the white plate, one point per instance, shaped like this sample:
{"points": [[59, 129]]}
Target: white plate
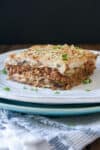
{"points": [[78, 94]]}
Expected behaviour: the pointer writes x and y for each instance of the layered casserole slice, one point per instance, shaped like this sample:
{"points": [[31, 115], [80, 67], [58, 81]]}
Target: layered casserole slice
{"points": [[52, 66]]}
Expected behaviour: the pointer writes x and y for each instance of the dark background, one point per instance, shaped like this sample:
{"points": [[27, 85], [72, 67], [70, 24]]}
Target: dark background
{"points": [[49, 21]]}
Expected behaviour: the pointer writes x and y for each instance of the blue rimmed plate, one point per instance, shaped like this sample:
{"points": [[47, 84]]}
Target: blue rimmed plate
{"points": [[49, 110], [42, 101]]}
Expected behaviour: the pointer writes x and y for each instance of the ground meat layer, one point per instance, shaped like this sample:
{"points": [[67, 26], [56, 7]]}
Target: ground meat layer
{"points": [[48, 77]]}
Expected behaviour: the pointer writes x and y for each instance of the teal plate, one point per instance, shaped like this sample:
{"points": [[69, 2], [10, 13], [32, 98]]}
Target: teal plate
{"points": [[49, 110]]}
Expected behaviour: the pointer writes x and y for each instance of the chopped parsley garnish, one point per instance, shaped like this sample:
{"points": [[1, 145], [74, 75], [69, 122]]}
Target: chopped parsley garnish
{"points": [[87, 90], [77, 47], [34, 89], [25, 87], [6, 89], [57, 92], [4, 71], [57, 47], [87, 81], [65, 57]]}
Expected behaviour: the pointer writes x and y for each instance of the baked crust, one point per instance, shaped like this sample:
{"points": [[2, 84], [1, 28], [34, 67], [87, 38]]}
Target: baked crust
{"points": [[52, 66]]}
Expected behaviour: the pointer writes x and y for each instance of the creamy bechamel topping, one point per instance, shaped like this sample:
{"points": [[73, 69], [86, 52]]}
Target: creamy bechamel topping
{"points": [[60, 57]]}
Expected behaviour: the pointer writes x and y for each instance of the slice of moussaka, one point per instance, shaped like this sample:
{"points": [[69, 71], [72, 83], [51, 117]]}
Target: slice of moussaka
{"points": [[52, 66]]}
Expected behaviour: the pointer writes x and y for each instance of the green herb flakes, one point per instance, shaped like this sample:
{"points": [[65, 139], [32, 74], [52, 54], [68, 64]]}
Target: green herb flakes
{"points": [[57, 47], [65, 57], [87, 90], [6, 89], [87, 81], [25, 87], [77, 47], [57, 92], [34, 89], [4, 71]]}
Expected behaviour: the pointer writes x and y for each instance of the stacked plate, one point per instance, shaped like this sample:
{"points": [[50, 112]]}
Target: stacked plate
{"points": [[83, 99]]}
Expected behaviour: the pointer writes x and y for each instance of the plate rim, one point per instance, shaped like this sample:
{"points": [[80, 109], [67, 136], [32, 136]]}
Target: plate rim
{"points": [[51, 111], [47, 100]]}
